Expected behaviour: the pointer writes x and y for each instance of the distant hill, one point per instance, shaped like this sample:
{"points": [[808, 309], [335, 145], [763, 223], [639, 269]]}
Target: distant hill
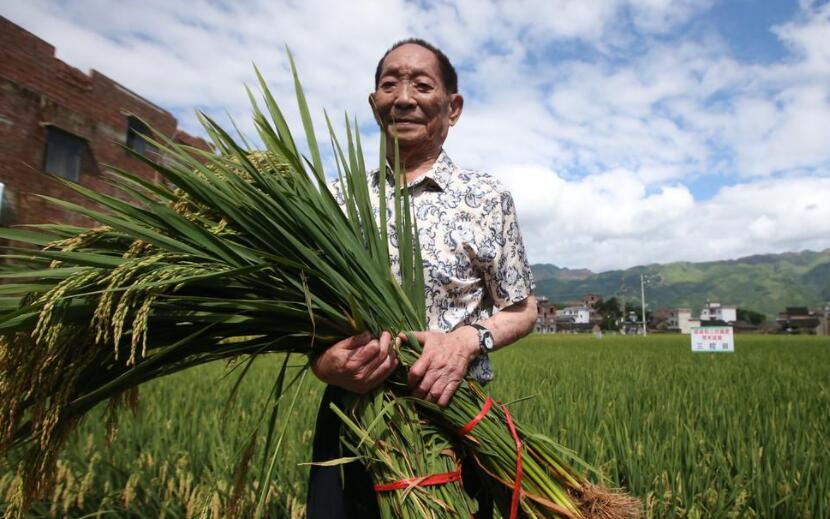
{"points": [[766, 283], [543, 271]]}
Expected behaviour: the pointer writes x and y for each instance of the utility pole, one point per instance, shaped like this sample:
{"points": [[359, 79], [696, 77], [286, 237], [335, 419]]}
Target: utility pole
{"points": [[621, 292], [643, 302]]}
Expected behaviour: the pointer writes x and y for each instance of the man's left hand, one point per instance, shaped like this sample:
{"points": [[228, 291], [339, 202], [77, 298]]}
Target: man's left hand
{"points": [[442, 366]]}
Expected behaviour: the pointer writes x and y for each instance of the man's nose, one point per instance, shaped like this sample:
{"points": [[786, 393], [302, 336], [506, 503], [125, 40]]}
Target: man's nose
{"points": [[404, 98]]}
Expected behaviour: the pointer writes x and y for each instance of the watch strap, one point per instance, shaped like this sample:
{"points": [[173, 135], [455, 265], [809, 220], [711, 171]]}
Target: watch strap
{"points": [[480, 327]]}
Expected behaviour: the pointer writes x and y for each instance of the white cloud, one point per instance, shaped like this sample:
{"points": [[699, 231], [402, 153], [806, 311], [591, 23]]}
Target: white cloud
{"points": [[810, 37], [612, 220], [598, 147], [785, 132], [659, 16]]}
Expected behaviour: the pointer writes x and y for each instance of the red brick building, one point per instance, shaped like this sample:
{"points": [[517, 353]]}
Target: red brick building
{"points": [[545, 316], [58, 121]]}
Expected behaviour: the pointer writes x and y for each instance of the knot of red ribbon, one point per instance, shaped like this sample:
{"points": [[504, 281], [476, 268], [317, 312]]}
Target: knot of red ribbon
{"points": [[424, 481], [449, 477]]}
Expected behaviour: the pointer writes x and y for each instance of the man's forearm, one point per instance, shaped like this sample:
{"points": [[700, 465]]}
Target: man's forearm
{"points": [[512, 323], [507, 326]]}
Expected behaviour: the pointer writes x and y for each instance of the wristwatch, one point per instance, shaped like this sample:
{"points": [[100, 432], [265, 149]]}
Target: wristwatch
{"points": [[485, 338]]}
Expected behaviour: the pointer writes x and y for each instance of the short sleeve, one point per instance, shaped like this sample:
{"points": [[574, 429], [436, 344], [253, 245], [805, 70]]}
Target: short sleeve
{"points": [[502, 257]]}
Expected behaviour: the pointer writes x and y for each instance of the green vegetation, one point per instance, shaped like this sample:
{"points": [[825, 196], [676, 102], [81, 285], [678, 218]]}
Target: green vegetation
{"points": [[694, 435], [750, 316], [252, 254], [765, 283]]}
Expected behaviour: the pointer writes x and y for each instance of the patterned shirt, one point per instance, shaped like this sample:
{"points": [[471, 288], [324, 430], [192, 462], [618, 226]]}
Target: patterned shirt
{"points": [[472, 251]]}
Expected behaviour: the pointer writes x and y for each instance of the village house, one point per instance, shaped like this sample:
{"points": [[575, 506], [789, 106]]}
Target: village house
{"points": [[59, 122], [799, 319], [576, 314], [677, 319], [680, 319], [631, 325], [545, 316], [718, 312], [577, 317], [590, 300], [574, 319]]}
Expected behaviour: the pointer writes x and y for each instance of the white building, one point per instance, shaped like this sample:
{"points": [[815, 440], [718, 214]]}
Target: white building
{"points": [[580, 314], [680, 319], [719, 312]]}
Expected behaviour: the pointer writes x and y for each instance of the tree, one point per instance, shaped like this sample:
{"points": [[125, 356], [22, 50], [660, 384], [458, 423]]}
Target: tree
{"points": [[751, 316], [610, 312]]}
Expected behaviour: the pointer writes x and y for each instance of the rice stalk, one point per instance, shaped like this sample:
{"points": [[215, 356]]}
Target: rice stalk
{"points": [[250, 254]]}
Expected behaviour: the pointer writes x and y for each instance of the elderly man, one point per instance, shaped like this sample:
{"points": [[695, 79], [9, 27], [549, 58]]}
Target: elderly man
{"points": [[478, 282]]}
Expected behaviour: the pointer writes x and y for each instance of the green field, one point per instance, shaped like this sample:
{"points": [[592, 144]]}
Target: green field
{"points": [[694, 435]]}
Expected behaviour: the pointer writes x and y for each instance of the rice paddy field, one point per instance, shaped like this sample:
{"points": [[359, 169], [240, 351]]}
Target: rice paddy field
{"points": [[692, 434]]}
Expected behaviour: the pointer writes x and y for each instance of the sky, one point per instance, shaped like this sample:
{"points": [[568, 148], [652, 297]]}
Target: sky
{"points": [[628, 131]]}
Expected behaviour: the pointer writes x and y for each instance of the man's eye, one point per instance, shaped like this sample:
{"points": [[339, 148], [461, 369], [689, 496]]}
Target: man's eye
{"points": [[423, 87], [387, 85]]}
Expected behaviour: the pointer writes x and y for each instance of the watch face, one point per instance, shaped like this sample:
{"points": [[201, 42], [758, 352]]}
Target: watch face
{"points": [[487, 340]]}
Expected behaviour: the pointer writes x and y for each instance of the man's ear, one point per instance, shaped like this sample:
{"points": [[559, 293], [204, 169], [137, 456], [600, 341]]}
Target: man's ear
{"points": [[456, 107], [374, 108]]}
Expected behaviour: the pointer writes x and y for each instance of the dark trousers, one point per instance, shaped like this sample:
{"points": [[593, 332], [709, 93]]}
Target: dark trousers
{"points": [[352, 496]]}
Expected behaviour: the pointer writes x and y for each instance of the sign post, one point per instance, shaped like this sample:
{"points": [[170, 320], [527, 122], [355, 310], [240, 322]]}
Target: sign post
{"points": [[713, 339]]}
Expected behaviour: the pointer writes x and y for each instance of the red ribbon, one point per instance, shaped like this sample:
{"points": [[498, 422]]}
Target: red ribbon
{"points": [[425, 481], [517, 486], [464, 431]]}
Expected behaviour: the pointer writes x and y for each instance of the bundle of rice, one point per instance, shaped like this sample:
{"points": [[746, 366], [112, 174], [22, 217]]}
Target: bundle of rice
{"points": [[251, 254]]}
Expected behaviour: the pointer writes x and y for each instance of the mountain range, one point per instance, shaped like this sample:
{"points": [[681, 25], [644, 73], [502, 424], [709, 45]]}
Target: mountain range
{"points": [[765, 283]]}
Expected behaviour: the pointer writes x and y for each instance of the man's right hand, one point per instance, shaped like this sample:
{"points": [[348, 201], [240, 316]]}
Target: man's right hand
{"points": [[358, 364]]}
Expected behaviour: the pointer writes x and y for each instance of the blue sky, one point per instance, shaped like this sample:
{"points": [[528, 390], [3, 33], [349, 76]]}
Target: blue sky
{"points": [[747, 24], [629, 131]]}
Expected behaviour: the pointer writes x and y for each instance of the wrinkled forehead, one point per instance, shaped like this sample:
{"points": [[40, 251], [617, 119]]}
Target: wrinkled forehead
{"points": [[411, 59]]}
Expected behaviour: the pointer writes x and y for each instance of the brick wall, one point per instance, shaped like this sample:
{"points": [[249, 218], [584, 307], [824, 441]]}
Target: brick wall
{"points": [[37, 90]]}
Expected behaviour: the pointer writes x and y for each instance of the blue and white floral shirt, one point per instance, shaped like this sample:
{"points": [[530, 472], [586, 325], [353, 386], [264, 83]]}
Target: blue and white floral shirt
{"points": [[472, 251]]}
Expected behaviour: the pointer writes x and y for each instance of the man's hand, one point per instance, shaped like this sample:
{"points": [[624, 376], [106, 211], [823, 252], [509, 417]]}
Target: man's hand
{"points": [[358, 364], [442, 366]]}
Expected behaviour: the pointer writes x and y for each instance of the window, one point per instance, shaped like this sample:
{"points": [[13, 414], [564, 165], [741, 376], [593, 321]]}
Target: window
{"points": [[135, 130], [63, 153]]}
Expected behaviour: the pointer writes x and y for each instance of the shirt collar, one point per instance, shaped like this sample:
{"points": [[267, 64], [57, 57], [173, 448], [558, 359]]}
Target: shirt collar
{"points": [[438, 175]]}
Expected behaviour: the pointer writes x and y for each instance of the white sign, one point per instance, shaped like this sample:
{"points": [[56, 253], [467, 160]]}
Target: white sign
{"points": [[713, 338]]}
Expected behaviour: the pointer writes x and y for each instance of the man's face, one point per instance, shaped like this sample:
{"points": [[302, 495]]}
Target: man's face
{"points": [[411, 100]]}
